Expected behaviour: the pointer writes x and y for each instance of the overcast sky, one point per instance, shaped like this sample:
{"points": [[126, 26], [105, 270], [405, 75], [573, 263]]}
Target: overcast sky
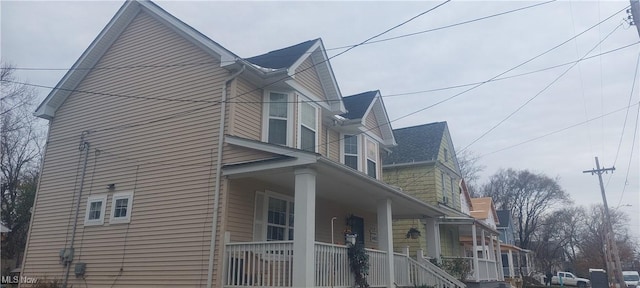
{"points": [[54, 34]]}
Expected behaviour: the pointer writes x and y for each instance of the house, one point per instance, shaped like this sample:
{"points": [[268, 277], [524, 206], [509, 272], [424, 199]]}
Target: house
{"points": [[423, 165], [174, 162], [516, 262]]}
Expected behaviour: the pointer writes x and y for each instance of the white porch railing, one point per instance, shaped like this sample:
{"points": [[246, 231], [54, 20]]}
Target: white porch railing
{"points": [[487, 269], [267, 264], [270, 264]]}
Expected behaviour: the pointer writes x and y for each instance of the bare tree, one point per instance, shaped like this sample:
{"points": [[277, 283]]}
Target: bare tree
{"points": [[556, 239], [528, 196], [19, 160], [470, 168]]}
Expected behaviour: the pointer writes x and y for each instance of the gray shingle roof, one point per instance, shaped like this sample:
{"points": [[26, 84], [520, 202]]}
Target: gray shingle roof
{"points": [[416, 143], [282, 58], [504, 216], [357, 104]]}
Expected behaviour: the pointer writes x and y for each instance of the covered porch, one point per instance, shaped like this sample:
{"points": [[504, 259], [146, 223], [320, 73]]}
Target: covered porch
{"points": [[287, 217], [480, 249], [516, 262]]}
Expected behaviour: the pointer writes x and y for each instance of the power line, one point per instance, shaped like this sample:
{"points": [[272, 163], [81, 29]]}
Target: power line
{"points": [[558, 131], [286, 55], [539, 92], [509, 70]]}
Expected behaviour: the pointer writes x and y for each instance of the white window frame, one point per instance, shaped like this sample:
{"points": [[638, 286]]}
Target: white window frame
{"points": [[306, 101], [266, 117], [93, 199], [366, 141], [269, 194], [114, 198], [343, 152]]}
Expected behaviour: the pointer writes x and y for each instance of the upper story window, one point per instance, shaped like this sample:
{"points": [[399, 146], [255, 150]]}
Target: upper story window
{"points": [[350, 151], [277, 118], [95, 210], [121, 207], [308, 135], [445, 200], [372, 158], [446, 155]]}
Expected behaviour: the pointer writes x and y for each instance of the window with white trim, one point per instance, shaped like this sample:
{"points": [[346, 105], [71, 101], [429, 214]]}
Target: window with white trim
{"points": [[372, 158], [95, 210], [273, 217], [121, 207], [350, 151], [277, 114], [308, 119], [444, 188]]}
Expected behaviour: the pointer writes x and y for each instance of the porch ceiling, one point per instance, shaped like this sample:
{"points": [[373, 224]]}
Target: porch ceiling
{"points": [[338, 184]]}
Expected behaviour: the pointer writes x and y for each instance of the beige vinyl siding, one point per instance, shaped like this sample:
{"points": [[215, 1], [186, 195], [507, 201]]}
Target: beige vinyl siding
{"points": [[371, 123], [166, 163], [334, 146], [246, 110], [450, 241], [307, 76]]}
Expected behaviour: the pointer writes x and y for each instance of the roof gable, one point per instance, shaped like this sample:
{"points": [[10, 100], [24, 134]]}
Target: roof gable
{"points": [[504, 216], [360, 105], [109, 34], [483, 207]]}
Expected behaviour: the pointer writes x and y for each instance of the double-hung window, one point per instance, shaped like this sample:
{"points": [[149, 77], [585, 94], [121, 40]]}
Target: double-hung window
{"points": [[273, 217], [277, 130], [372, 158], [95, 210], [444, 188], [350, 151], [121, 207], [308, 136]]}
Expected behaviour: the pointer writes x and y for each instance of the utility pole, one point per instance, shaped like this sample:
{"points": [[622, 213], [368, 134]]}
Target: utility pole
{"points": [[611, 249], [635, 12]]}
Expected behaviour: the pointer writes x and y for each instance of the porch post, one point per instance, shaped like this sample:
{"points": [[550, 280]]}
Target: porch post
{"points": [[499, 255], [510, 260], [433, 238], [304, 228], [492, 248], [484, 247], [385, 237], [476, 272]]}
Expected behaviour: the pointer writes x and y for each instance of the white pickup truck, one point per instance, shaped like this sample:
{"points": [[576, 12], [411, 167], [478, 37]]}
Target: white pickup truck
{"points": [[568, 279]]}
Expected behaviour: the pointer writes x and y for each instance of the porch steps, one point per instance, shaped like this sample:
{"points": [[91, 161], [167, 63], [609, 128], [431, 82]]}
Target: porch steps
{"points": [[446, 279]]}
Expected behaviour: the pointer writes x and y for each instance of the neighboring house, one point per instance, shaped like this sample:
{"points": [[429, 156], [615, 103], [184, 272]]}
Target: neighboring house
{"points": [[516, 262], [423, 165], [182, 164]]}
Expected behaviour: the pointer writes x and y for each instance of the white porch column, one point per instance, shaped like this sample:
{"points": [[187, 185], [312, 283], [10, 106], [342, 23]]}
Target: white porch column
{"points": [[510, 260], [476, 272], [385, 237], [492, 249], [433, 238], [499, 255], [304, 228], [484, 246]]}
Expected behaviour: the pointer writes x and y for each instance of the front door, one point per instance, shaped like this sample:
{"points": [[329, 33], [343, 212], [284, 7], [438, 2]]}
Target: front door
{"points": [[357, 227]]}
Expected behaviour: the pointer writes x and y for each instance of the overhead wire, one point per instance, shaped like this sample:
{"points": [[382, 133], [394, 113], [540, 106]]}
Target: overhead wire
{"points": [[286, 55], [539, 92]]}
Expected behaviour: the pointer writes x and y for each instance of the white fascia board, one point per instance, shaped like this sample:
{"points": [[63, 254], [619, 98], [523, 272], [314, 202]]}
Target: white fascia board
{"points": [[383, 121], [89, 58], [226, 57], [419, 163], [304, 91], [307, 54], [367, 132], [259, 167], [326, 65]]}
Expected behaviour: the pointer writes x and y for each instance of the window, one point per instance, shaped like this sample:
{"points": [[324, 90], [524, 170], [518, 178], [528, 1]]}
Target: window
{"points": [[95, 210], [273, 217], [121, 207], [277, 118], [452, 190], [446, 155], [372, 159], [351, 151], [444, 188], [308, 138]]}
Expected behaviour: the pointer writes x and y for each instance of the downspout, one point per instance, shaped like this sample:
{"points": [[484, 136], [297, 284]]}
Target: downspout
{"points": [[216, 193], [84, 146]]}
